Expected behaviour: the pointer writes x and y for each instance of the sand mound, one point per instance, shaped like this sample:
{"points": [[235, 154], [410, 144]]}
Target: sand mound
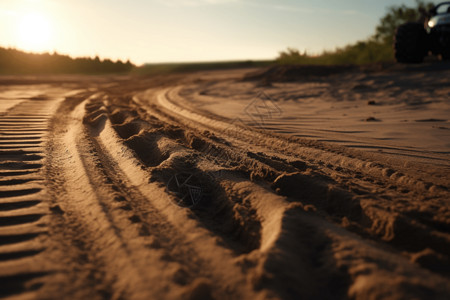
{"points": [[294, 73]]}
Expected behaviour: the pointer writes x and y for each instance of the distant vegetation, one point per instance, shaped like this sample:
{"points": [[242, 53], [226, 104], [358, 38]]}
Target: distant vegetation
{"points": [[14, 61], [159, 68], [377, 48]]}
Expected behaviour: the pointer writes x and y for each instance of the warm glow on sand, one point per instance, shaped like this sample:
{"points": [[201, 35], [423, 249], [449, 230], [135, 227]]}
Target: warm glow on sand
{"points": [[34, 32]]}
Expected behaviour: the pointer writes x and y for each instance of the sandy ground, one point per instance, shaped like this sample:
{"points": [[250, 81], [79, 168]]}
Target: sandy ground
{"points": [[406, 114], [219, 185]]}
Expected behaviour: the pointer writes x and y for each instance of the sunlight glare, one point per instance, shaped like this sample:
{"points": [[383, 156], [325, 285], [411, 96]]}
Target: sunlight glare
{"points": [[34, 33]]}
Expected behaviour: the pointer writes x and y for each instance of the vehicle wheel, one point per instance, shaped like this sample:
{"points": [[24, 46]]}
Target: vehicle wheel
{"points": [[446, 52], [410, 43], [445, 56]]}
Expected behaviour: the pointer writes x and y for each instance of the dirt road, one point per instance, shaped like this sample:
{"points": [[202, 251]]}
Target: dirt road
{"points": [[135, 189]]}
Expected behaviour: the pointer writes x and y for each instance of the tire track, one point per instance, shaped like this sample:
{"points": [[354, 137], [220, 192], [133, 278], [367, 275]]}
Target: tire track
{"points": [[276, 223], [23, 198], [364, 194], [354, 176], [298, 207], [110, 226]]}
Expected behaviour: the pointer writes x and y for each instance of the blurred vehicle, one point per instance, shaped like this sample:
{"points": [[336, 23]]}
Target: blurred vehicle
{"points": [[415, 40]]}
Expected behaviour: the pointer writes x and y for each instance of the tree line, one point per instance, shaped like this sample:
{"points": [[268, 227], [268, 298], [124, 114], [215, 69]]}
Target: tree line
{"points": [[13, 61]]}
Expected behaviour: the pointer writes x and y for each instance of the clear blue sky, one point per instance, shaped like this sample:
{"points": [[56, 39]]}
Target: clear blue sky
{"points": [[187, 30]]}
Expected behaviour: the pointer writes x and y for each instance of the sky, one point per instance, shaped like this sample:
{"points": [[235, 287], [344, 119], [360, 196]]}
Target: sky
{"points": [[153, 31]]}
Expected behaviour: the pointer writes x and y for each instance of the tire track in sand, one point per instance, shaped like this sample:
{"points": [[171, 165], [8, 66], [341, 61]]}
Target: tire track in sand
{"points": [[282, 246], [116, 241], [23, 198]]}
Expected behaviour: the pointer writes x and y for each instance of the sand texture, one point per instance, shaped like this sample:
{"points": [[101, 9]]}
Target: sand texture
{"points": [[246, 184]]}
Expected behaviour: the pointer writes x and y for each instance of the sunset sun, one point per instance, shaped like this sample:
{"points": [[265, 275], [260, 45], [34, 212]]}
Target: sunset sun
{"points": [[35, 32]]}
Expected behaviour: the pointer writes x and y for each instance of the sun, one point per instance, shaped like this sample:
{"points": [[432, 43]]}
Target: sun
{"points": [[34, 32]]}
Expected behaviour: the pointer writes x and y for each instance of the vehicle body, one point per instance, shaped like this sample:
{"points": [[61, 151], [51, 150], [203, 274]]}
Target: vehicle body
{"points": [[415, 40]]}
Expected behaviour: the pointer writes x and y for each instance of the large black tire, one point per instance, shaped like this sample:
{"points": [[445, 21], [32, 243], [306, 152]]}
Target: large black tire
{"points": [[445, 46], [445, 56], [410, 43]]}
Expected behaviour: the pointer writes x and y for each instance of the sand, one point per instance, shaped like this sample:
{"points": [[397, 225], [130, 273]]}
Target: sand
{"points": [[227, 185]]}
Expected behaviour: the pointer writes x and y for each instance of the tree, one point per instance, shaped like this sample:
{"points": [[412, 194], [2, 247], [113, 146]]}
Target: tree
{"points": [[397, 15]]}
